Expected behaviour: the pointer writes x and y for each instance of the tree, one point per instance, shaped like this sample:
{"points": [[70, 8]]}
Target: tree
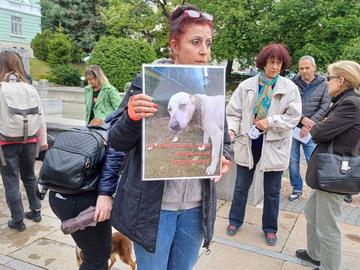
{"points": [[61, 49], [121, 58], [321, 28], [80, 19], [140, 19], [351, 51], [40, 44], [239, 29]]}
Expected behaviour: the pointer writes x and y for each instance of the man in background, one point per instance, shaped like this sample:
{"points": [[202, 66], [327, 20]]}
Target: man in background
{"points": [[315, 102]]}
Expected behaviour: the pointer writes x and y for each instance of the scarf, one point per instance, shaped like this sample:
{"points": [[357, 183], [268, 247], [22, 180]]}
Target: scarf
{"points": [[264, 97]]}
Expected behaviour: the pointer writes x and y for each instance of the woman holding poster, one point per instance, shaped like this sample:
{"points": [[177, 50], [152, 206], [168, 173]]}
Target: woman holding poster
{"points": [[167, 220]]}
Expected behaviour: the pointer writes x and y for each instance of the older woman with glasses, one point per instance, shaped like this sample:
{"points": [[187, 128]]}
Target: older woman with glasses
{"points": [[340, 126], [262, 113], [167, 220]]}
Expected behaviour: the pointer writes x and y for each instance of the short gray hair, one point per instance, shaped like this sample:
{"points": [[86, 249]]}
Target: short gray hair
{"points": [[308, 57]]}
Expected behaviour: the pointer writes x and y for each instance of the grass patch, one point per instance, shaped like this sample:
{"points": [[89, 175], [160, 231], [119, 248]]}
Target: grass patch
{"points": [[41, 69]]}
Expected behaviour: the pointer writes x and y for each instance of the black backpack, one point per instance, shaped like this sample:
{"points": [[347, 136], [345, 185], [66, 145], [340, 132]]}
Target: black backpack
{"points": [[73, 164]]}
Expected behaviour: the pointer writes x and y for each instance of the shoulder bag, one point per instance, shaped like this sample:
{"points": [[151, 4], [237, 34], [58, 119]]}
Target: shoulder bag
{"points": [[338, 174]]}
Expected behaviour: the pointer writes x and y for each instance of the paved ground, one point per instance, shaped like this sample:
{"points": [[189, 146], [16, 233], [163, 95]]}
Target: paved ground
{"points": [[43, 246]]}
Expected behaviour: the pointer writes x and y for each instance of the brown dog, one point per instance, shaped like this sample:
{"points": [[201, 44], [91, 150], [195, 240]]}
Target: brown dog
{"points": [[121, 245]]}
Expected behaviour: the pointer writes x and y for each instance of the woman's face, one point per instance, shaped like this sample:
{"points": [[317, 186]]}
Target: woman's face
{"points": [[272, 67], [334, 84], [194, 46], [93, 83]]}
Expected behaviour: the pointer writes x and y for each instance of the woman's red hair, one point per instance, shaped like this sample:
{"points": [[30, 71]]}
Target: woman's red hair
{"points": [[273, 50]]}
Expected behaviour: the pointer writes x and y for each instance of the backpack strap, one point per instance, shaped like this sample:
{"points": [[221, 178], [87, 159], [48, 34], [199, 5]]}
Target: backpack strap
{"points": [[12, 76]]}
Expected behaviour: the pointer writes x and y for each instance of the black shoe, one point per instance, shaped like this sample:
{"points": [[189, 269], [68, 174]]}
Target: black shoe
{"points": [[316, 269], [302, 254], [33, 215], [231, 230], [270, 239], [20, 226], [295, 196]]}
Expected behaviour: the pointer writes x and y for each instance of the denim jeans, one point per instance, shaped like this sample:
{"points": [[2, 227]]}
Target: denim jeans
{"points": [[179, 239], [294, 166], [20, 160], [95, 242], [272, 185]]}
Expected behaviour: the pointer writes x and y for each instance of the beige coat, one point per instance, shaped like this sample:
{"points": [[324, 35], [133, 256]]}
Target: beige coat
{"points": [[284, 114]]}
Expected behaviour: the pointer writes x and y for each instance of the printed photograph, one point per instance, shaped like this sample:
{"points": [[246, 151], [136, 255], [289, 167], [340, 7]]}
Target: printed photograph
{"points": [[184, 139]]}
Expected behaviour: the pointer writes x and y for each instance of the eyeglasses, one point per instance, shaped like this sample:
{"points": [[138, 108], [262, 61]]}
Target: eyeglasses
{"points": [[328, 78], [193, 14]]}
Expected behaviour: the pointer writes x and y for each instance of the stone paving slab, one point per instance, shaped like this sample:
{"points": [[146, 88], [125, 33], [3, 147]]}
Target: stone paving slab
{"points": [[43, 246], [47, 253], [225, 257], [12, 240], [250, 234], [253, 216], [350, 242]]}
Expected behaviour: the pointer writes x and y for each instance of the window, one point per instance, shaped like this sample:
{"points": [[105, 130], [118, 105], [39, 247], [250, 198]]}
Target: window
{"points": [[16, 26]]}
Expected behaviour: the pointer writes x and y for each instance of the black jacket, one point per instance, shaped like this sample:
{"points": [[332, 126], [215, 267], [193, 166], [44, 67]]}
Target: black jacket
{"points": [[341, 124], [137, 203]]}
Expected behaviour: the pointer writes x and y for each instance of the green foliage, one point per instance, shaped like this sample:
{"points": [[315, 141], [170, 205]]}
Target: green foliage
{"points": [[65, 75], [40, 44], [136, 19], [80, 19], [121, 58], [61, 49], [352, 50], [321, 28]]}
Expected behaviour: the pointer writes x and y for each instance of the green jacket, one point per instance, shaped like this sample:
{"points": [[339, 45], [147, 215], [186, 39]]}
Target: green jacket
{"points": [[107, 101]]}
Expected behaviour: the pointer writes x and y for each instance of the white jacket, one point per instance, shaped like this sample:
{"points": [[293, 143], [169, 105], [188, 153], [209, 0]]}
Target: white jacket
{"points": [[284, 114]]}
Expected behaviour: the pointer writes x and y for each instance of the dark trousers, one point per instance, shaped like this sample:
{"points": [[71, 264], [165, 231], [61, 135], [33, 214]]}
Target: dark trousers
{"points": [[20, 160], [272, 185], [95, 242]]}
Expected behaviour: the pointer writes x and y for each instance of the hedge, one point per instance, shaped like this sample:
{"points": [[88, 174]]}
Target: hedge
{"points": [[121, 58]]}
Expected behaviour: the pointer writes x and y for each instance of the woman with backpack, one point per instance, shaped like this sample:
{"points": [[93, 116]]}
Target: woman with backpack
{"points": [[21, 141], [167, 220], [81, 192]]}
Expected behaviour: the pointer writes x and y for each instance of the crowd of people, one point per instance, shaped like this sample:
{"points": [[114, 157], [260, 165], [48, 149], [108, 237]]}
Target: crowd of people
{"points": [[169, 221]]}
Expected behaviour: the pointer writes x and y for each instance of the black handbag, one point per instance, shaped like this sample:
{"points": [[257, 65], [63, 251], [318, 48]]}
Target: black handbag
{"points": [[338, 174]]}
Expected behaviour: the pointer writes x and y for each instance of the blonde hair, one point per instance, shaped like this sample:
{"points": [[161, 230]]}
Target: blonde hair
{"points": [[94, 71], [349, 70]]}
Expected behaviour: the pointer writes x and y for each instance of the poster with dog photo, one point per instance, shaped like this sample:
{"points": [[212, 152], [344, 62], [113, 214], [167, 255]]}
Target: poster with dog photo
{"points": [[184, 139]]}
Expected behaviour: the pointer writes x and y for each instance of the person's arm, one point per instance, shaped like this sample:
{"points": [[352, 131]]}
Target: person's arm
{"points": [[340, 119], [291, 115], [114, 97], [323, 106], [125, 132], [109, 177], [42, 131], [234, 112]]}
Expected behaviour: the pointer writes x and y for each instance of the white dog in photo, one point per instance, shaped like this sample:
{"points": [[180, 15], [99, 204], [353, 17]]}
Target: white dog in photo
{"points": [[183, 106]]}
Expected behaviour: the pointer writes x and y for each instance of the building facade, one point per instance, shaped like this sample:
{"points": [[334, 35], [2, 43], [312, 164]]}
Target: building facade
{"points": [[20, 21]]}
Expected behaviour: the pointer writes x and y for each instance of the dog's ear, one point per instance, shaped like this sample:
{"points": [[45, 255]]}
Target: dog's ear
{"points": [[96, 122], [195, 100]]}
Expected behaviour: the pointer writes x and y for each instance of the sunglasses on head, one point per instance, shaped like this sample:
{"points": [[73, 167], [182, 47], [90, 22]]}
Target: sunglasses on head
{"points": [[193, 14], [328, 77]]}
